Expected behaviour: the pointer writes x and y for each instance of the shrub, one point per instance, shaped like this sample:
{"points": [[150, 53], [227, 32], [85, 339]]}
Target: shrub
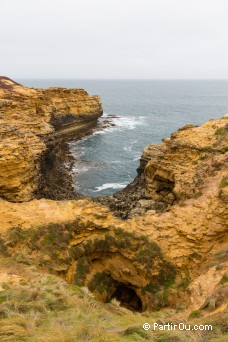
{"points": [[222, 130], [195, 314], [224, 278], [224, 182], [3, 248], [82, 269], [101, 282], [224, 150], [148, 253]]}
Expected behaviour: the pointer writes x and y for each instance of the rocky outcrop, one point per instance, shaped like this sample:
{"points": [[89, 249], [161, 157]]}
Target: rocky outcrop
{"points": [[175, 257], [28, 119], [172, 248], [176, 170]]}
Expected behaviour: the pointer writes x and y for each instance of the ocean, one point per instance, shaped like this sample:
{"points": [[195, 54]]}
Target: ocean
{"points": [[147, 111]]}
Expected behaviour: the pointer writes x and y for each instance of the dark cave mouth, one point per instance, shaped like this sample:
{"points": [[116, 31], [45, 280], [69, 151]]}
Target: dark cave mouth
{"points": [[127, 297]]}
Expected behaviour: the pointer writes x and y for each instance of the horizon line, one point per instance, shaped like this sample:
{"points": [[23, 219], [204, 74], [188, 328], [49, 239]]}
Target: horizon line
{"points": [[125, 79]]}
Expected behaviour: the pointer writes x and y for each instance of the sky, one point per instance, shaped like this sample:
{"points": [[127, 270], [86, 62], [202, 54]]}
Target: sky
{"points": [[114, 39]]}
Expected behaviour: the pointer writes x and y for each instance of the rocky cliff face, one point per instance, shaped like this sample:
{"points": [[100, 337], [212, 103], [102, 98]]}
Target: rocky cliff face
{"points": [[171, 249], [28, 117], [177, 170]]}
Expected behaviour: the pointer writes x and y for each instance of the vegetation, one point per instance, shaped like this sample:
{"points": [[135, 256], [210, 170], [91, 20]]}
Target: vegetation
{"points": [[43, 308], [222, 130], [207, 148], [184, 280], [148, 253], [224, 279], [3, 248], [224, 182], [101, 282], [224, 150], [195, 314], [160, 287], [52, 243], [222, 255], [83, 265]]}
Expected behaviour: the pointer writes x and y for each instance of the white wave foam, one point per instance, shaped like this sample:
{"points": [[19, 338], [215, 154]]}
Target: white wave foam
{"points": [[129, 122], [121, 123], [129, 148], [100, 132], [80, 168], [110, 186]]}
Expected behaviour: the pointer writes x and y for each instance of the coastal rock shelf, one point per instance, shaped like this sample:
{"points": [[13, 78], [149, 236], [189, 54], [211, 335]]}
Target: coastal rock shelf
{"points": [[161, 242]]}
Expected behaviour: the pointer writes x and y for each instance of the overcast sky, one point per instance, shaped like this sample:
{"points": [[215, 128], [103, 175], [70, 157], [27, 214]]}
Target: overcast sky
{"points": [[114, 39]]}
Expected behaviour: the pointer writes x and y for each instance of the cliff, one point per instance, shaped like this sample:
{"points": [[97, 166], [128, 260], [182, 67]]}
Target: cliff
{"points": [[28, 118], [170, 252]]}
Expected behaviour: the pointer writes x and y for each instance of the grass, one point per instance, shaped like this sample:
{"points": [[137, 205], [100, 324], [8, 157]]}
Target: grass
{"points": [[222, 130], [195, 314], [222, 255], [51, 244], [224, 150], [224, 279], [224, 182], [43, 308]]}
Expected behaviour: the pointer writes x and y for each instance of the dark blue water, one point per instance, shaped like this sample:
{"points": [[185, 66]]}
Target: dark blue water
{"points": [[148, 110]]}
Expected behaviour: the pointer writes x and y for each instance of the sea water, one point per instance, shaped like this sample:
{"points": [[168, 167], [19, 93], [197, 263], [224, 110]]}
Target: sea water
{"points": [[146, 111]]}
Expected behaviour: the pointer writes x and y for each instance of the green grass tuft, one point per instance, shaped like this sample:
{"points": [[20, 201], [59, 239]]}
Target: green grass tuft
{"points": [[224, 279], [195, 314], [224, 150], [224, 182], [222, 130]]}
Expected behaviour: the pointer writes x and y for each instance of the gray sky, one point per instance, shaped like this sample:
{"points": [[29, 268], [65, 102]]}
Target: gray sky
{"points": [[114, 38]]}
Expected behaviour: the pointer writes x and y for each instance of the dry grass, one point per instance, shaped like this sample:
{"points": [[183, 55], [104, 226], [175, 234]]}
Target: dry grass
{"points": [[44, 308]]}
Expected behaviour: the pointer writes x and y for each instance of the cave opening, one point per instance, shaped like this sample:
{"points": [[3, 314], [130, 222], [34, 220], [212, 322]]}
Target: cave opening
{"points": [[162, 184], [127, 298]]}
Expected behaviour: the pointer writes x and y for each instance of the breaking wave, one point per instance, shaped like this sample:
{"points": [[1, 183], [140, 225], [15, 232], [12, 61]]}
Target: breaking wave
{"points": [[110, 186]]}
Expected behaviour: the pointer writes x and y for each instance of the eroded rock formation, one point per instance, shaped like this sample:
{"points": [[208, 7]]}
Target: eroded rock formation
{"points": [[176, 170], [28, 117], [172, 248]]}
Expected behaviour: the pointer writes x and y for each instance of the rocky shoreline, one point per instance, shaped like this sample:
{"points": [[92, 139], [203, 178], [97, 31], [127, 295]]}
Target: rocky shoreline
{"points": [[36, 124], [159, 243]]}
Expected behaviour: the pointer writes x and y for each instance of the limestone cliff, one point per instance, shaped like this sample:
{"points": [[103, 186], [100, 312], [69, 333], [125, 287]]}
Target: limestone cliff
{"points": [[28, 118], [172, 251]]}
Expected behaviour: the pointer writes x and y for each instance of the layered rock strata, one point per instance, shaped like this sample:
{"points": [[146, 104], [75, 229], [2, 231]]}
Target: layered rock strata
{"points": [[175, 257], [176, 170], [29, 118], [172, 248]]}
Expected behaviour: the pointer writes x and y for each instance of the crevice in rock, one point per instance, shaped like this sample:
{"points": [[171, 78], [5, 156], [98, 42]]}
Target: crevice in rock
{"points": [[163, 185]]}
